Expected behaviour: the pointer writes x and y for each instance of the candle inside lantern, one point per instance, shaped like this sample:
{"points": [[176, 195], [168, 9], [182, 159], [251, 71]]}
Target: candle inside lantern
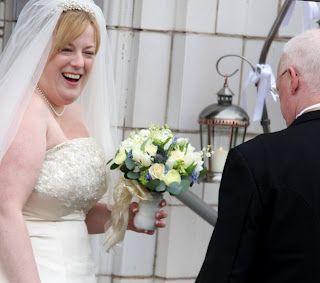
{"points": [[218, 160]]}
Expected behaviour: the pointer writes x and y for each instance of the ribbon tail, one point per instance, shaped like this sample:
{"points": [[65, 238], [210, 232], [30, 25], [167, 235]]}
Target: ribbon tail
{"points": [[116, 227], [288, 15], [243, 93], [263, 91]]}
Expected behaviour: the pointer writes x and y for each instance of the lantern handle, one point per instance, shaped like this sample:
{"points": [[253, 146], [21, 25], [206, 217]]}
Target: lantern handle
{"points": [[232, 55]]}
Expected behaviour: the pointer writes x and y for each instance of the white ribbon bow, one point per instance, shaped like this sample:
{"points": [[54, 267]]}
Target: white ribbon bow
{"points": [[263, 74], [310, 12]]}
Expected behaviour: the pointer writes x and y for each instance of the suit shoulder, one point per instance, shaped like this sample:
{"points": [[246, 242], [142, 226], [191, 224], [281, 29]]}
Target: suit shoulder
{"points": [[263, 140]]}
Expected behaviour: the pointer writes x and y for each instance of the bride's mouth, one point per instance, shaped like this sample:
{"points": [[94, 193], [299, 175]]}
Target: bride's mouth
{"points": [[71, 77]]}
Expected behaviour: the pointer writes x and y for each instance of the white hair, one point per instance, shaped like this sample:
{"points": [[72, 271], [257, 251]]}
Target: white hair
{"points": [[302, 52]]}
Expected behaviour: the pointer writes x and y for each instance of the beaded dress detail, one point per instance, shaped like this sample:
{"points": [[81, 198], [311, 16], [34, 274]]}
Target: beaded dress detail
{"points": [[71, 181]]}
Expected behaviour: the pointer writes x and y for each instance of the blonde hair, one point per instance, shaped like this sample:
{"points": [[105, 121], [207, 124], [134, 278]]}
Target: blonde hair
{"points": [[71, 25]]}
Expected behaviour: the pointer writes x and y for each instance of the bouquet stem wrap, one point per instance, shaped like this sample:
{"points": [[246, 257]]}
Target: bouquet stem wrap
{"points": [[124, 191]]}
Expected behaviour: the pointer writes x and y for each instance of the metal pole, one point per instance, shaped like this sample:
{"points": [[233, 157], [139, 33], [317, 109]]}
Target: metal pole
{"points": [[265, 122], [201, 208]]}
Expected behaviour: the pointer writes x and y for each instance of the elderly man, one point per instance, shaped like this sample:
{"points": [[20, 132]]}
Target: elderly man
{"points": [[268, 229]]}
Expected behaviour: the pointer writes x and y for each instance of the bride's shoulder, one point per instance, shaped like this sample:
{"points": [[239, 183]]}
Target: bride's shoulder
{"points": [[37, 107]]}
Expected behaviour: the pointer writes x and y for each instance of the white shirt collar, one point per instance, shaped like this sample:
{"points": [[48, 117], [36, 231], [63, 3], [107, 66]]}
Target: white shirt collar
{"points": [[308, 108]]}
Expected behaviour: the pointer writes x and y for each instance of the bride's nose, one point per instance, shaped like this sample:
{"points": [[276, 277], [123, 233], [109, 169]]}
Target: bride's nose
{"points": [[77, 60]]}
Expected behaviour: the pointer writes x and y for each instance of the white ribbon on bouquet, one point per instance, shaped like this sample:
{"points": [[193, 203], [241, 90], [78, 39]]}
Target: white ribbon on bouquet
{"points": [[263, 75], [310, 12]]}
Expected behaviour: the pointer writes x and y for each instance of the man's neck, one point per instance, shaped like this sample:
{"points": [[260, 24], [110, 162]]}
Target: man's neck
{"points": [[310, 108]]}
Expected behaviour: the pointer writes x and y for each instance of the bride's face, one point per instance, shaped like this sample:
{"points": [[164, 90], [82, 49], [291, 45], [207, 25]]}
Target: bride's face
{"points": [[66, 74]]}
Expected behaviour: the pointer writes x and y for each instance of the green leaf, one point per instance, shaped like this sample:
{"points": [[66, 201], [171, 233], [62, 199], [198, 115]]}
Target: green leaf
{"points": [[133, 175], [203, 173], [143, 146], [161, 187], [114, 166], [153, 184], [190, 169], [109, 161], [129, 163], [167, 140], [185, 177], [184, 185], [174, 188], [124, 168]]}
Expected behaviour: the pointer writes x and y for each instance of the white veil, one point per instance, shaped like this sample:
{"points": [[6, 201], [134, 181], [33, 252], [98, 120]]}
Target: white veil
{"points": [[22, 63]]}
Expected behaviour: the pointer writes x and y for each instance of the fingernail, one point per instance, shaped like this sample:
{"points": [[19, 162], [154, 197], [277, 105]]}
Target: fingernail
{"points": [[157, 222], [135, 209], [158, 214]]}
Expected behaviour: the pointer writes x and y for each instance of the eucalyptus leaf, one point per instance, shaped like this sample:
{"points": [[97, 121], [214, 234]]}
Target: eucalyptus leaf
{"points": [[129, 163], [109, 161], [114, 166], [184, 185], [151, 185], [174, 188], [133, 175], [124, 168], [185, 177], [161, 187]]}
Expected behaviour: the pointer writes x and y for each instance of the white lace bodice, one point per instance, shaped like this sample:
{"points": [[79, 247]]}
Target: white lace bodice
{"points": [[72, 179]]}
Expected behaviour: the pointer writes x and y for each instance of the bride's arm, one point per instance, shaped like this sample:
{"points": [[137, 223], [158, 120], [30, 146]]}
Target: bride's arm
{"points": [[99, 214], [19, 171]]}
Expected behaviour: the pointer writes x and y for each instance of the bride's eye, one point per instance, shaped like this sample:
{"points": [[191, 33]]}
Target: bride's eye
{"points": [[66, 50], [89, 53]]}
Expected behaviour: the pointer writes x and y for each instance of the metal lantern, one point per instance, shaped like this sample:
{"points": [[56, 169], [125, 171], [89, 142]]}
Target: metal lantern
{"points": [[222, 126]]}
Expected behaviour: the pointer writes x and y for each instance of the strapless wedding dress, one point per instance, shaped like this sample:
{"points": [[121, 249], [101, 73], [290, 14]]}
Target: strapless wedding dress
{"points": [[71, 181]]}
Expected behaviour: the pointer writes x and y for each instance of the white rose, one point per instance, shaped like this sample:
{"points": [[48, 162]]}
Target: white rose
{"points": [[170, 162], [139, 156], [182, 141], [127, 143], [192, 157], [171, 176], [156, 171], [177, 154], [151, 148], [120, 157], [144, 133], [190, 148]]}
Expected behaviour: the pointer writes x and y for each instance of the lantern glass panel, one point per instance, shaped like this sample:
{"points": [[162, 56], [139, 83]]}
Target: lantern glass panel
{"points": [[238, 136], [221, 143]]}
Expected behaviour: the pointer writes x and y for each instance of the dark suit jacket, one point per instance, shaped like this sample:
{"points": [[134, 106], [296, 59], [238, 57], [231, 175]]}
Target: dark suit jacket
{"points": [[268, 228]]}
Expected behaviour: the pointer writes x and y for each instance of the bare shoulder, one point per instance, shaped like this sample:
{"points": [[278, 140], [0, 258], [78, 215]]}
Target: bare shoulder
{"points": [[21, 165]]}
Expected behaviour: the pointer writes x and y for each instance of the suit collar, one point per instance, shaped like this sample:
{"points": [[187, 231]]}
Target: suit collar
{"points": [[306, 117]]}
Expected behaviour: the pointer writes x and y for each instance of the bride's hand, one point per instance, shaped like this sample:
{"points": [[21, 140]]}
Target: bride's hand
{"points": [[160, 214]]}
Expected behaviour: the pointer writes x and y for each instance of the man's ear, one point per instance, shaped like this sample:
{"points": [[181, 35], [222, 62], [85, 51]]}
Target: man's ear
{"points": [[294, 80]]}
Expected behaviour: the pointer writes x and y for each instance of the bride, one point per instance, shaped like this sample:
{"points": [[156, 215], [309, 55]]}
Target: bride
{"points": [[53, 150]]}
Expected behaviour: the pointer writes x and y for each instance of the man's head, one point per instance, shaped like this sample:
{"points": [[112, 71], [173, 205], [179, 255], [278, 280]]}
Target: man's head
{"points": [[299, 87]]}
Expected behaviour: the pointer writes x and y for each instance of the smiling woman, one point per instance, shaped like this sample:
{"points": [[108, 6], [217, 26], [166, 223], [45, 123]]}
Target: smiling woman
{"points": [[57, 128], [67, 71]]}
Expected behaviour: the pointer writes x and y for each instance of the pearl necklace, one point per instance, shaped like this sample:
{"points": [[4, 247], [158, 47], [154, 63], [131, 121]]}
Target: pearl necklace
{"points": [[49, 103]]}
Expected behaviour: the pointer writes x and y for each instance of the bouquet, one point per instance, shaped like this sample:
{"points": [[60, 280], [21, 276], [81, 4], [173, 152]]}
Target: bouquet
{"points": [[159, 161], [154, 161]]}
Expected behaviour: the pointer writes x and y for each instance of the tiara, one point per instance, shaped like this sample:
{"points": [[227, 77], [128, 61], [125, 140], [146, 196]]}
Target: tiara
{"points": [[76, 6]]}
